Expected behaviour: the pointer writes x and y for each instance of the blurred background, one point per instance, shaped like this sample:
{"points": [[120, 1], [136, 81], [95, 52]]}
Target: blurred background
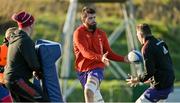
{"points": [[51, 16]]}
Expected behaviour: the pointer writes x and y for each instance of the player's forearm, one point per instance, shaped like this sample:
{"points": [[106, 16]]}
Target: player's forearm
{"points": [[115, 57], [91, 55]]}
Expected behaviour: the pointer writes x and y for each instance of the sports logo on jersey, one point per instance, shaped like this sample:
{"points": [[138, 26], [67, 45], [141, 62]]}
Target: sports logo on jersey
{"points": [[96, 74], [87, 35], [165, 51], [159, 42]]}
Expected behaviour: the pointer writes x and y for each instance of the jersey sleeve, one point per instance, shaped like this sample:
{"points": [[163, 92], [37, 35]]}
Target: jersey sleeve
{"points": [[111, 55]]}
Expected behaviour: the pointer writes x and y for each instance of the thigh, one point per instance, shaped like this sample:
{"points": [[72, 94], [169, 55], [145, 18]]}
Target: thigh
{"points": [[94, 78], [155, 95], [97, 74], [82, 76], [142, 99], [162, 101]]}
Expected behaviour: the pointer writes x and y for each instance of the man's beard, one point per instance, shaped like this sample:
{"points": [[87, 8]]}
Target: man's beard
{"points": [[92, 27]]}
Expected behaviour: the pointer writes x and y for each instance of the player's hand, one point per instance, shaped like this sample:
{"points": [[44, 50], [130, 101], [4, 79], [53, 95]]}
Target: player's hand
{"points": [[132, 81], [105, 60], [148, 81], [1, 83], [126, 59], [37, 75]]}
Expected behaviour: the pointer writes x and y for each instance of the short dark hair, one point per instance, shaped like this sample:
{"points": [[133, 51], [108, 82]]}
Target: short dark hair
{"points": [[144, 28], [85, 11]]}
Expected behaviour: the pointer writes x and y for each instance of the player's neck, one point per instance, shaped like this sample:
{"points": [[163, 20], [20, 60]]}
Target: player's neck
{"points": [[88, 29]]}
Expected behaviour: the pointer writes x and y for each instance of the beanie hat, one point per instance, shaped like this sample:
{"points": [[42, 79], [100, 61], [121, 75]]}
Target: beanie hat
{"points": [[23, 19]]}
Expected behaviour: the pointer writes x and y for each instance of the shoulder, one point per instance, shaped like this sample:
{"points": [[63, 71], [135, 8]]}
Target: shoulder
{"points": [[80, 28], [79, 34], [21, 35], [101, 31], [149, 47], [146, 47], [26, 40], [79, 31]]}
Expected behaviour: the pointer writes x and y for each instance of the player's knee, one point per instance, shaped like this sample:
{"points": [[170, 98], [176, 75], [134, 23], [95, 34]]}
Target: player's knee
{"points": [[91, 89], [98, 97], [91, 85], [88, 92]]}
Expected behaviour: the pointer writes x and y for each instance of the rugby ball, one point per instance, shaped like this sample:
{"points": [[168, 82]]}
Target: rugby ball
{"points": [[135, 56]]}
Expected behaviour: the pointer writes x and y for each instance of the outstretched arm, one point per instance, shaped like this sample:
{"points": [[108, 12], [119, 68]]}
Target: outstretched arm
{"points": [[111, 55]]}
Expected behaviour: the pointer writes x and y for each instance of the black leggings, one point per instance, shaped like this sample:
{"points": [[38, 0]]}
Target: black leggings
{"points": [[24, 91]]}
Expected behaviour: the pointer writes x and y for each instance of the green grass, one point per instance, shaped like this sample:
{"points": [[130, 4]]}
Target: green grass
{"points": [[111, 90]]}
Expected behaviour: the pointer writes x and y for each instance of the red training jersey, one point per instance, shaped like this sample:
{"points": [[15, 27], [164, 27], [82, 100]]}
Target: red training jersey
{"points": [[89, 48]]}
